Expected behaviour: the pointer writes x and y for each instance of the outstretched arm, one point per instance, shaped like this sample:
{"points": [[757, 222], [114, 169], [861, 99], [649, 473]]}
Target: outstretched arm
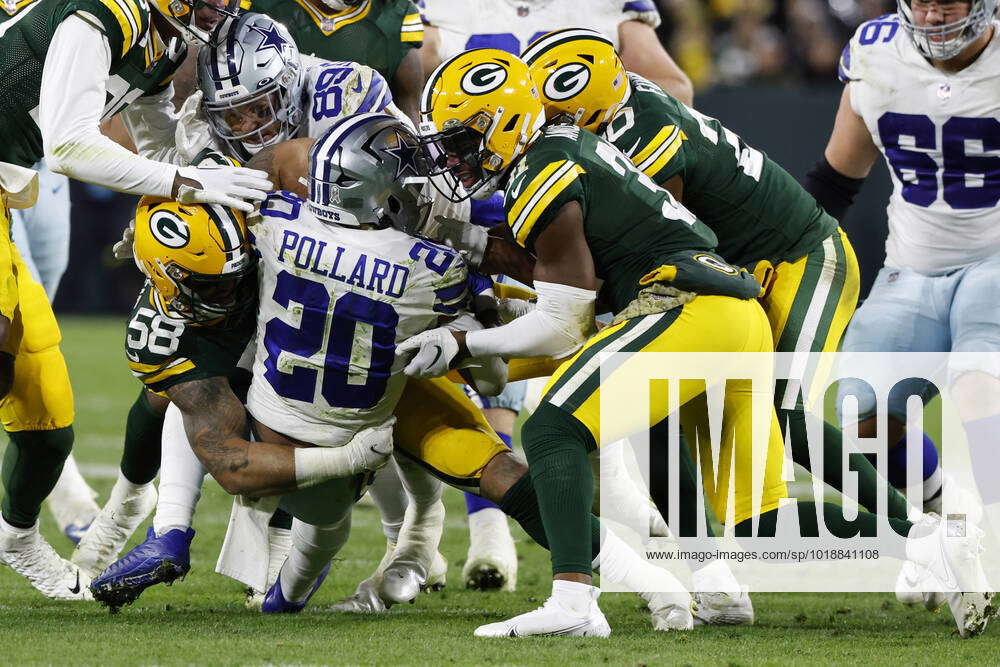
{"points": [[285, 164]]}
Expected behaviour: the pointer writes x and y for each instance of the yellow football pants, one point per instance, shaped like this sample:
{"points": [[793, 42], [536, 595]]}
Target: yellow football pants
{"points": [[41, 398], [707, 324], [441, 428]]}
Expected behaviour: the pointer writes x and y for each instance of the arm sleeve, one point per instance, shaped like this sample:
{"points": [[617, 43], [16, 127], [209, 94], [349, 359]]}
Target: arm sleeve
{"points": [[71, 101], [152, 123], [557, 327]]}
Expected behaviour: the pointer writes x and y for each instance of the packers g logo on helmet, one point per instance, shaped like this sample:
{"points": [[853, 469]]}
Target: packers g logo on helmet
{"points": [[579, 74], [169, 229], [566, 81], [484, 78]]}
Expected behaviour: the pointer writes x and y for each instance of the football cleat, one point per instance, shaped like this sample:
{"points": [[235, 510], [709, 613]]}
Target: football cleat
{"points": [[402, 582], [75, 532], [109, 532], [722, 609], [437, 576], [28, 554], [158, 560], [669, 610], [365, 599], [275, 602], [279, 543], [491, 563], [954, 563], [960, 501], [552, 618], [912, 586]]}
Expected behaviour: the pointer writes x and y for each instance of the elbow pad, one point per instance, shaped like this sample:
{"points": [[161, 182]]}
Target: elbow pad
{"points": [[832, 190], [559, 325]]}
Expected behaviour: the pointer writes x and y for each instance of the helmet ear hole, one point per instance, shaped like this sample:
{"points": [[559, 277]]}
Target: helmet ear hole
{"points": [[395, 206]]}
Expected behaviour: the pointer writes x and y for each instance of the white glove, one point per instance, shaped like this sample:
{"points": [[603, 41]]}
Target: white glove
{"points": [[193, 133], [221, 184], [511, 309], [123, 249], [371, 448], [432, 352], [468, 239]]}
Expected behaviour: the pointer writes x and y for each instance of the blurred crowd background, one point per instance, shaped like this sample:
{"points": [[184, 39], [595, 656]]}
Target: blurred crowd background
{"points": [[766, 68]]}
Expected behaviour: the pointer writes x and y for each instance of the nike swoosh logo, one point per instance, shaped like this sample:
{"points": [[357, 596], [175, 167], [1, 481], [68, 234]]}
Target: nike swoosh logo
{"points": [[76, 587], [436, 356], [512, 633], [132, 356], [358, 85]]}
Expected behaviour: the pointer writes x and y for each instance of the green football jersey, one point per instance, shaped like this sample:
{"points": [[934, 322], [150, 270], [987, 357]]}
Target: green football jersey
{"points": [[164, 351], [755, 207], [377, 33], [12, 7], [632, 226], [140, 64]]}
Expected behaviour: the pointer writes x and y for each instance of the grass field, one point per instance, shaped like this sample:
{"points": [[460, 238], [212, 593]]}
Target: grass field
{"points": [[202, 621]]}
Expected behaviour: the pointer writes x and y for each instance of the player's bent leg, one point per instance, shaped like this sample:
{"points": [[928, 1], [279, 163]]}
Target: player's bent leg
{"points": [[38, 416], [307, 564]]}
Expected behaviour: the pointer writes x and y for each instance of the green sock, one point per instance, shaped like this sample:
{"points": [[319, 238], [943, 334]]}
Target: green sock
{"points": [[556, 445], [280, 519], [143, 442], [521, 504], [833, 452], [31, 467]]}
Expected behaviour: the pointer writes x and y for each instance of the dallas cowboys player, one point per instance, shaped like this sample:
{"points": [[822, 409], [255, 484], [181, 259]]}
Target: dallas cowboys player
{"points": [[920, 90]]}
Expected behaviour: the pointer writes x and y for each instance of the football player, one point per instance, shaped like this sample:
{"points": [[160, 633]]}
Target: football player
{"points": [[86, 61], [762, 217], [383, 34], [510, 25], [916, 91], [566, 191]]}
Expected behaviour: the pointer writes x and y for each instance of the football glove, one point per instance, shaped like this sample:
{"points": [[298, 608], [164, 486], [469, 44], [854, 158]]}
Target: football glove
{"points": [[371, 448], [429, 354], [235, 187], [123, 249], [465, 237], [511, 309]]}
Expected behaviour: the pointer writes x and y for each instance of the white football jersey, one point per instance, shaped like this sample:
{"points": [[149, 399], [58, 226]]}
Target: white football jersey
{"points": [[510, 25], [940, 135], [334, 302], [332, 90]]}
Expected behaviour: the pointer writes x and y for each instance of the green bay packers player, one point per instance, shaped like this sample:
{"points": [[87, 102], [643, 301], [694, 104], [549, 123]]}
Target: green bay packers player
{"points": [[64, 66], [567, 195], [383, 34], [761, 215]]}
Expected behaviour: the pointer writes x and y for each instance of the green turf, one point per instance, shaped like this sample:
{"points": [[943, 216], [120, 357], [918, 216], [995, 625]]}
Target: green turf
{"points": [[201, 620]]}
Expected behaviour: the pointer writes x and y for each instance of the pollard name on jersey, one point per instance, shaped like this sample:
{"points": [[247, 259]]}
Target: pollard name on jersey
{"points": [[510, 25], [334, 303], [140, 64], [940, 135]]}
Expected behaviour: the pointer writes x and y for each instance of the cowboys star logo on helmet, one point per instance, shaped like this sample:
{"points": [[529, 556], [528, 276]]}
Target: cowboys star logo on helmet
{"points": [[272, 38], [484, 78], [169, 229]]}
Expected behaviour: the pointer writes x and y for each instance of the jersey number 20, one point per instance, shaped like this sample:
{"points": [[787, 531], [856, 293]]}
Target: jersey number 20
{"points": [[350, 315]]}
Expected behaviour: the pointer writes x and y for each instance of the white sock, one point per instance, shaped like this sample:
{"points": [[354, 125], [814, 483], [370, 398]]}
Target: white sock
{"points": [[72, 499], [312, 548], [14, 530], [619, 564], [181, 477], [124, 490], [932, 485], [424, 518], [574, 596], [389, 497]]}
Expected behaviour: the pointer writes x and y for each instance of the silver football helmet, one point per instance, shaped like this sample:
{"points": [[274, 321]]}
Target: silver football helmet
{"points": [[941, 42], [251, 84], [368, 170]]}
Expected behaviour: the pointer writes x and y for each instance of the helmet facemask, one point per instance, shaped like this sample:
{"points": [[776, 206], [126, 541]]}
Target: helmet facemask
{"points": [[249, 124], [214, 299], [943, 42], [341, 5], [196, 20]]}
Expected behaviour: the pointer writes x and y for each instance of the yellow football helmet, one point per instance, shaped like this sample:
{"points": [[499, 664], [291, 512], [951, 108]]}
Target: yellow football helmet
{"points": [[578, 73], [480, 110], [196, 19], [198, 258]]}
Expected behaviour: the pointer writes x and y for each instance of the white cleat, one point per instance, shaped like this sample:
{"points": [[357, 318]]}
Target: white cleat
{"points": [[279, 543], [669, 611], [722, 608], [27, 552], [913, 587], [552, 618], [955, 499], [365, 599], [491, 563], [954, 561], [115, 523], [402, 582]]}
